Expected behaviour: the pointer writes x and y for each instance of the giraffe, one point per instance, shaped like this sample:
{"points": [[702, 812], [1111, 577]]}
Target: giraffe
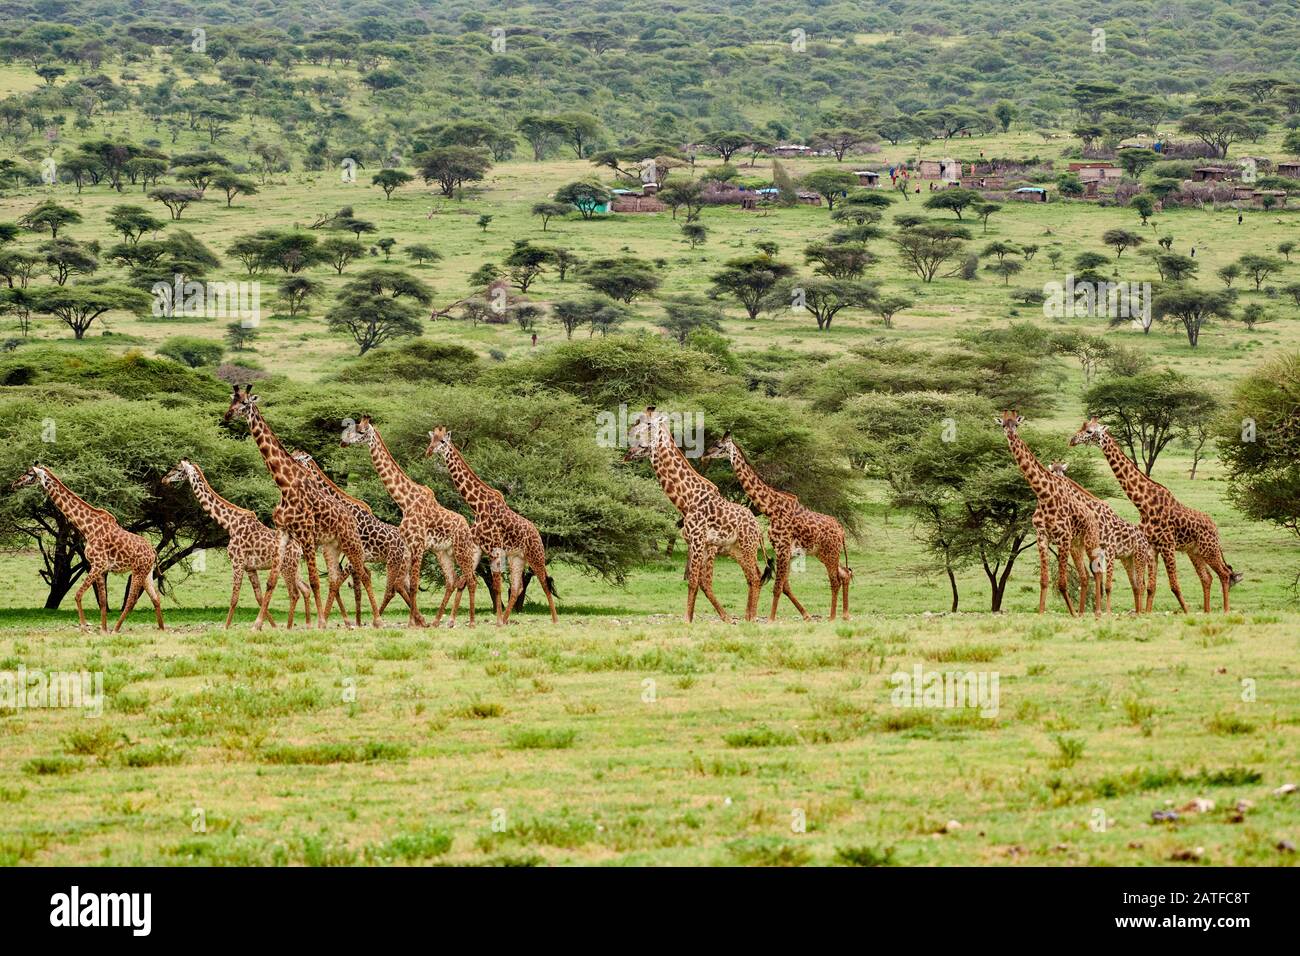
{"points": [[1168, 524], [508, 538], [253, 546], [791, 526], [1062, 521], [1123, 541], [109, 547], [712, 525], [382, 543], [425, 522], [305, 515]]}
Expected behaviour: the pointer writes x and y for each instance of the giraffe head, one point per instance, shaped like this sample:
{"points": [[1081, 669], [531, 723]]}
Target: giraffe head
{"points": [[1009, 421], [180, 474], [721, 448], [641, 434], [1090, 434], [358, 433], [1059, 467], [439, 442], [241, 404], [35, 475]]}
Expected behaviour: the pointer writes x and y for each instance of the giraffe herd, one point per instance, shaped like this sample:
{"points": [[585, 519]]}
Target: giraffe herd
{"points": [[314, 513], [1077, 523]]}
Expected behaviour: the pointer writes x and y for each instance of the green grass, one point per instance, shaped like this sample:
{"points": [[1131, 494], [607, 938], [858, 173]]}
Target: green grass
{"points": [[554, 760]]}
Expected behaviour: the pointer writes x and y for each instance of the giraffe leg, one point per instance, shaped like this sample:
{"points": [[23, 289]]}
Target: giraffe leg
{"points": [[1171, 569], [779, 578], [496, 594], [1220, 568], [451, 581], [92, 580], [706, 582], [151, 589], [1085, 579], [365, 581], [1110, 582], [1152, 569], [1203, 572], [101, 598], [237, 576], [333, 571], [282, 549], [137, 585], [257, 594], [413, 576], [516, 565], [538, 566], [1063, 577], [1133, 568], [753, 577], [399, 579], [789, 592], [467, 557]]}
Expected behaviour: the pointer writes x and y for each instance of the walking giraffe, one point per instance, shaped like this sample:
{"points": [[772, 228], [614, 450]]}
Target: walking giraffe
{"points": [[508, 538], [1122, 541], [382, 543], [305, 515], [1061, 520], [109, 547], [252, 547], [791, 526], [425, 522], [711, 524], [1168, 523]]}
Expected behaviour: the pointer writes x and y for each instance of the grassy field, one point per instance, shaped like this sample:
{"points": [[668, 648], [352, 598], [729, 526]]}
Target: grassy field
{"points": [[621, 736]]}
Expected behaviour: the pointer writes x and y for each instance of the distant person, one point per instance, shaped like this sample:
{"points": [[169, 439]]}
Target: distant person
{"points": [[1239, 219], [1193, 252], [534, 340]]}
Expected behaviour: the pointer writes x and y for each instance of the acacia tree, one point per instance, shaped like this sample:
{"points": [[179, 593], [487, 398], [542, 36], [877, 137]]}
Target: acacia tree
{"points": [[390, 179], [49, 215], [78, 306], [926, 251], [750, 280], [1259, 443], [1147, 410], [176, 198], [1192, 307], [453, 166], [586, 197]]}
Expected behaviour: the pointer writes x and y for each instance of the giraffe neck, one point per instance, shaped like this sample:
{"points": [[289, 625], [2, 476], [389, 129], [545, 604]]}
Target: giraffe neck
{"points": [[681, 483], [1138, 487], [1040, 480], [80, 513], [278, 461], [327, 485], [400, 487], [478, 494], [766, 498], [218, 508]]}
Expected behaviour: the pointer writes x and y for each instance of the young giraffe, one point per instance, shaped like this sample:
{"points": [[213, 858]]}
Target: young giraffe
{"points": [[109, 547], [790, 526], [253, 546], [1122, 541], [382, 542], [1061, 520], [507, 537], [305, 515], [1168, 524], [712, 525], [425, 522]]}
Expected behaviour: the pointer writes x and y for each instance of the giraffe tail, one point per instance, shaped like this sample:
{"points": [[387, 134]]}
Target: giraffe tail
{"points": [[550, 586]]}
